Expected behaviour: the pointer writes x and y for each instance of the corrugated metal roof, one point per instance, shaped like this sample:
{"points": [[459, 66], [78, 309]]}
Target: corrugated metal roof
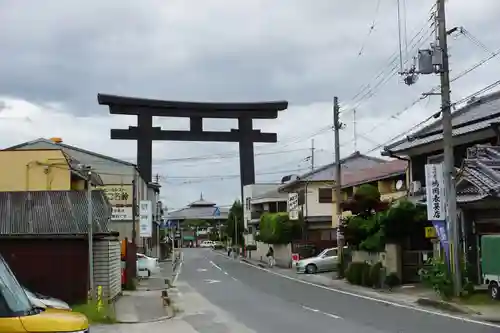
{"points": [[51, 212], [487, 106]]}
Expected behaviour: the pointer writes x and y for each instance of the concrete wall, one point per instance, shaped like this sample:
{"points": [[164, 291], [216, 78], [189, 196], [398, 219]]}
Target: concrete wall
{"points": [[282, 254], [391, 258], [34, 170]]}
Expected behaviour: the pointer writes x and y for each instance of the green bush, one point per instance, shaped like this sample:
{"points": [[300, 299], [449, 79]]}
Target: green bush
{"points": [[277, 228], [354, 273], [365, 275], [375, 275], [392, 280]]}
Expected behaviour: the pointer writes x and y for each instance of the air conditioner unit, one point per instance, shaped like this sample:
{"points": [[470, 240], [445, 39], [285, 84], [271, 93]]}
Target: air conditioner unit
{"points": [[415, 187]]}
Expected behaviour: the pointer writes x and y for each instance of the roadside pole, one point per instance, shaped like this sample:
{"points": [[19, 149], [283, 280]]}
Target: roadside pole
{"points": [[90, 233], [338, 173], [449, 165], [134, 212]]}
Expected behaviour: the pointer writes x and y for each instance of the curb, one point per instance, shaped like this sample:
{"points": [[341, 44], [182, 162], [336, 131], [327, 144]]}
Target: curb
{"points": [[155, 320], [446, 306]]}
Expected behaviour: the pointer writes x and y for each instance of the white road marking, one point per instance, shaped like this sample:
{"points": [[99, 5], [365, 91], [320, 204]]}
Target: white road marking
{"points": [[201, 270], [226, 273], [309, 309], [234, 278], [209, 281], [215, 265], [177, 273], [368, 298], [318, 311]]}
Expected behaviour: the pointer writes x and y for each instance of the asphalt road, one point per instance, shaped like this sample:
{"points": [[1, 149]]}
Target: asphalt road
{"points": [[267, 303]]}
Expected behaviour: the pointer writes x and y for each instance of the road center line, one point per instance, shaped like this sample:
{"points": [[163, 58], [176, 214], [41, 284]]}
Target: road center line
{"points": [[215, 265], [368, 298], [321, 312]]}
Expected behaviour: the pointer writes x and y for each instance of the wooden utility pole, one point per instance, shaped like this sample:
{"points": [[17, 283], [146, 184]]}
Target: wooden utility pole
{"points": [[449, 164], [312, 155], [338, 196]]}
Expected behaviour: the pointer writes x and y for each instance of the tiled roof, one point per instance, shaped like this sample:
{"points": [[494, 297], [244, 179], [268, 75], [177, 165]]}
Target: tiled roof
{"points": [[51, 213], [374, 173], [479, 176], [354, 161], [477, 115], [272, 194], [202, 213], [481, 169]]}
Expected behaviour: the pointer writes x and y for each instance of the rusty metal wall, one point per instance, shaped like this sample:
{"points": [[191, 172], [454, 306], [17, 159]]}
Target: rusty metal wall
{"points": [[54, 267]]}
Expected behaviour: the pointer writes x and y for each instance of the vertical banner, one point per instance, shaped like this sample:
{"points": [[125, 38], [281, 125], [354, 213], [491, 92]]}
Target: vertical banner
{"points": [[435, 192], [145, 218], [436, 203]]}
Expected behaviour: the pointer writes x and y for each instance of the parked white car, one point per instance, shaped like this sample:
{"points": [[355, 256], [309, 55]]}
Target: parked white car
{"points": [[147, 265], [207, 243], [325, 261], [46, 301]]}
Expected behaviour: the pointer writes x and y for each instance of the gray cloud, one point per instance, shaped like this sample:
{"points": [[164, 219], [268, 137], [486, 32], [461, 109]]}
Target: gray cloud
{"points": [[64, 52]]}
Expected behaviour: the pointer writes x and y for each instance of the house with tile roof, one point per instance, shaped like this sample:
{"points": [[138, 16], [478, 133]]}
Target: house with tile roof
{"points": [[261, 198], [200, 210], [476, 137], [315, 190]]}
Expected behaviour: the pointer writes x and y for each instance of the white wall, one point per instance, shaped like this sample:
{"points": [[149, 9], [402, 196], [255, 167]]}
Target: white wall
{"points": [[250, 191], [312, 207]]}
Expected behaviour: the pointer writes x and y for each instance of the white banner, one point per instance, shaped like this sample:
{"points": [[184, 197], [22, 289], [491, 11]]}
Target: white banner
{"points": [[145, 218], [121, 213], [435, 191], [293, 201]]}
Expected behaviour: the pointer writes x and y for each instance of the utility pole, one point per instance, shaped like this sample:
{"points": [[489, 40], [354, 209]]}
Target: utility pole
{"points": [[90, 232], [312, 155], [134, 211], [337, 125], [355, 132], [449, 165]]}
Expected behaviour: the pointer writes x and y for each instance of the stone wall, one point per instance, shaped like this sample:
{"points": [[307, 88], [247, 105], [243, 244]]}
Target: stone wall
{"points": [[390, 258]]}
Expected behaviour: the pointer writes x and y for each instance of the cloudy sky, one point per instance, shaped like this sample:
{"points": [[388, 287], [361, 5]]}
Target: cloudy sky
{"points": [[55, 56]]}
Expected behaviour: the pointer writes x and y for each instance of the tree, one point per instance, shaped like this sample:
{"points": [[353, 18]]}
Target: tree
{"points": [[235, 218]]}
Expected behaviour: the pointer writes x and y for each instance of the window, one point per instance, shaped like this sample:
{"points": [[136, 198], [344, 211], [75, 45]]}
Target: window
{"points": [[349, 192], [247, 200], [325, 195], [330, 253], [12, 294], [435, 159]]}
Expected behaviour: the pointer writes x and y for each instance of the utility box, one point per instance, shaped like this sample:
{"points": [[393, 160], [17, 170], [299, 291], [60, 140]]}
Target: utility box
{"points": [[490, 264], [425, 65]]}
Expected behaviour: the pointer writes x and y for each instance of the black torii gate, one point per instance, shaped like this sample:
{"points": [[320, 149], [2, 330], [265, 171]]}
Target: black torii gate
{"points": [[145, 133]]}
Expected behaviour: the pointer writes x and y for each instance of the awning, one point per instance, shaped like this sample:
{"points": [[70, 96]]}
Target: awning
{"points": [[188, 238]]}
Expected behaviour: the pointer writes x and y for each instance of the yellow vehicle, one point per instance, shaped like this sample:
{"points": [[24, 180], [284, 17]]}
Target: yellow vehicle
{"points": [[18, 314]]}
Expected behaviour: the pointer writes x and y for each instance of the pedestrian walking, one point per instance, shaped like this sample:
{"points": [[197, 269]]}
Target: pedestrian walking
{"points": [[270, 256]]}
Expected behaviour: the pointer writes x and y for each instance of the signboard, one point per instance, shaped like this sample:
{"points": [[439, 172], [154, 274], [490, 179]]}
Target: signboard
{"points": [[430, 232], [293, 201], [295, 258], [118, 194], [121, 213], [293, 206], [435, 190], [293, 215], [145, 218]]}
